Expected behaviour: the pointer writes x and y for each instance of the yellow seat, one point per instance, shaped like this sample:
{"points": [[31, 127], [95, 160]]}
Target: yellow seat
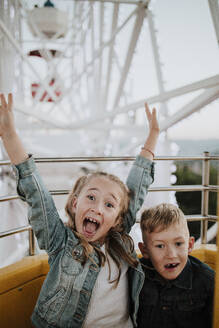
{"points": [[20, 284], [207, 254]]}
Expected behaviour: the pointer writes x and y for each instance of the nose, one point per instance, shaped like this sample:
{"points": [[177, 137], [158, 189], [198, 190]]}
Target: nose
{"points": [[171, 252], [97, 208]]}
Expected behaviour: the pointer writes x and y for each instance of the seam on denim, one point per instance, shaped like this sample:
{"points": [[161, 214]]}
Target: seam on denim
{"points": [[19, 186], [139, 188], [44, 211], [56, 251]]}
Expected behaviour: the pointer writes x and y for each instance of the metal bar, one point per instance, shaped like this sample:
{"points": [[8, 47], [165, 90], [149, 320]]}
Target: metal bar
{"points": [[216, 287], [181, 188], [7, 198], [192, 218], [205, 197], [112, 159], [205, 98], [31, 243], [110, 55], [207, 83], [212, 218], [100, 63], [125, 2], [11, 232], [14, 231], [156, 55], [105, 44], [205, 188], [140, 15], [157, 62], [214, 10]]}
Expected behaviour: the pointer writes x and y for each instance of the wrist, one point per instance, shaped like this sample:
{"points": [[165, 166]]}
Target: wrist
{"points": [[147, 150], [9, 134]]}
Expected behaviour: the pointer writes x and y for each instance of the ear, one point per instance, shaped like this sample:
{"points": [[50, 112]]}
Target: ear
{"points": [[74, 204], [143, 250], [191, 244]]}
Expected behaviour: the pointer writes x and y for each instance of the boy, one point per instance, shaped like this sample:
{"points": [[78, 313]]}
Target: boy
{"points": [[178, 289]]}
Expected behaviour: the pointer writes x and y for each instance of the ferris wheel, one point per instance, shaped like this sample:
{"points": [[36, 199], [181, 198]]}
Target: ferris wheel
{"points": [[80, 68], [81, 71]]}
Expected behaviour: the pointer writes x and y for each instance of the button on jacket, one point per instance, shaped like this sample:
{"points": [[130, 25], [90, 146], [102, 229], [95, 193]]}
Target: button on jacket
{"points": [[66, 292], [185, 302]]}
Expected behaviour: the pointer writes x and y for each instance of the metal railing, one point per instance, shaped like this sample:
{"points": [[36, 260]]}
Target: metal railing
{"points": [[205, 189]]}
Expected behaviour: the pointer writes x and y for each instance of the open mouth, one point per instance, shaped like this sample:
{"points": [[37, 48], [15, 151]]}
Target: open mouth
{"points": [[171, 265], [90, 226]]}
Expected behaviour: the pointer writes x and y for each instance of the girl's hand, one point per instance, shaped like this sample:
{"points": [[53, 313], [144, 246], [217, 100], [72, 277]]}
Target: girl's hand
{"points": [[10, 138], [152, 119], [6, 116], [147, 150]]}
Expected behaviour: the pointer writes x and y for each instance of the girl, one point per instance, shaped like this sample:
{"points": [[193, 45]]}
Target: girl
{"points": [[94, 278]]}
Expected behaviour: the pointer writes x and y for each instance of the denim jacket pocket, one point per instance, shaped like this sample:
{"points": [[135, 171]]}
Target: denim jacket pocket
{"points": [[71, 261], [52, 308]]}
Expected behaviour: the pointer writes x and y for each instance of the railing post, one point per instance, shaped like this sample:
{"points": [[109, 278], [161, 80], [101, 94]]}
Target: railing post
{"points": [[205, 197], [31, 243], [216, 287]]}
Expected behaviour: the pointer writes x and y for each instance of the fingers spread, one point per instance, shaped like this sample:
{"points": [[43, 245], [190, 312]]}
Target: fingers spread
{"points": [[154, 112], [147, 110], [10, 101], [3, 101]]}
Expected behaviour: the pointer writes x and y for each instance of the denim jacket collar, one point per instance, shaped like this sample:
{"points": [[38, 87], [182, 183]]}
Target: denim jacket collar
{"points": [[184, 280]]}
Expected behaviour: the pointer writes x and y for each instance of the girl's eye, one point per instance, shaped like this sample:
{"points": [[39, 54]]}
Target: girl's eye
{"points": [[91, 197], [110, 205], [179, 243]]}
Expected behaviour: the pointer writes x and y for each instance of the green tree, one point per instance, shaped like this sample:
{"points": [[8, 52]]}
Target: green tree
{"points": [[190, 202]]}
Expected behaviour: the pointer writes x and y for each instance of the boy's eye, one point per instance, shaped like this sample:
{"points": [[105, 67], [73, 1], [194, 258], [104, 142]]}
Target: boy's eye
{"points": [[91, 197], [179, 243], [110, 205], [160, 246]]}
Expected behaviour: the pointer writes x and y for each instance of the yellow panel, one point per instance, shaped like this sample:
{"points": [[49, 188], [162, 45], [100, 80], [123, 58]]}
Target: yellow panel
{"points": [[20, 284], [22, 271], [16, 305], [206, 254]]}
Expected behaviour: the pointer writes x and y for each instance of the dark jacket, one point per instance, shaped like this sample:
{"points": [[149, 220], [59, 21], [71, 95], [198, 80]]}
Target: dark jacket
{"points": [[185, 302]]}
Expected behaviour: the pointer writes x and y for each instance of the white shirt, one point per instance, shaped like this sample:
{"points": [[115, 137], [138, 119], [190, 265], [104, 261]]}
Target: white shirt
{"points": [[109, 306]]}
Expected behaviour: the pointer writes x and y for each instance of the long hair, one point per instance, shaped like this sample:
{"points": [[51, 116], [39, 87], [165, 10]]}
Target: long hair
{"points": [[113, 245]]}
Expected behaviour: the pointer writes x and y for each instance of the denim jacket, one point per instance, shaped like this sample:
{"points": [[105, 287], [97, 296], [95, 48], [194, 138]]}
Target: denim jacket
{"points": [[185, 302], [66, 292]]}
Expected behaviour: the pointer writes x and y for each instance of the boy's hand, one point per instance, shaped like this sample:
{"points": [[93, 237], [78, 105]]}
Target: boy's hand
{"points": [[6, 116], [152, 119]]}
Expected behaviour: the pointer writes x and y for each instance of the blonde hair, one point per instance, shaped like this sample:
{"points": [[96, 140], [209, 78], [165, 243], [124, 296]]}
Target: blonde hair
{"points": [[160, 216], [113, 245]]}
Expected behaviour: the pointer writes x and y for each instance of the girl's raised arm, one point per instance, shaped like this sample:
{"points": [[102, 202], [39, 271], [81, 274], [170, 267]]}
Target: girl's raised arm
{"points": [[142, 172], [10, 138], [147, 150]]}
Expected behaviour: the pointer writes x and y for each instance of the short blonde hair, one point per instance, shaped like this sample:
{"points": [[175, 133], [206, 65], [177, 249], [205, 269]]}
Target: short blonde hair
{"points": [[160, 216]]}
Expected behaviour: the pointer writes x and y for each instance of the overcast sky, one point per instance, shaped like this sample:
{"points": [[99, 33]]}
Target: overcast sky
{"points": [[189, 51]]}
